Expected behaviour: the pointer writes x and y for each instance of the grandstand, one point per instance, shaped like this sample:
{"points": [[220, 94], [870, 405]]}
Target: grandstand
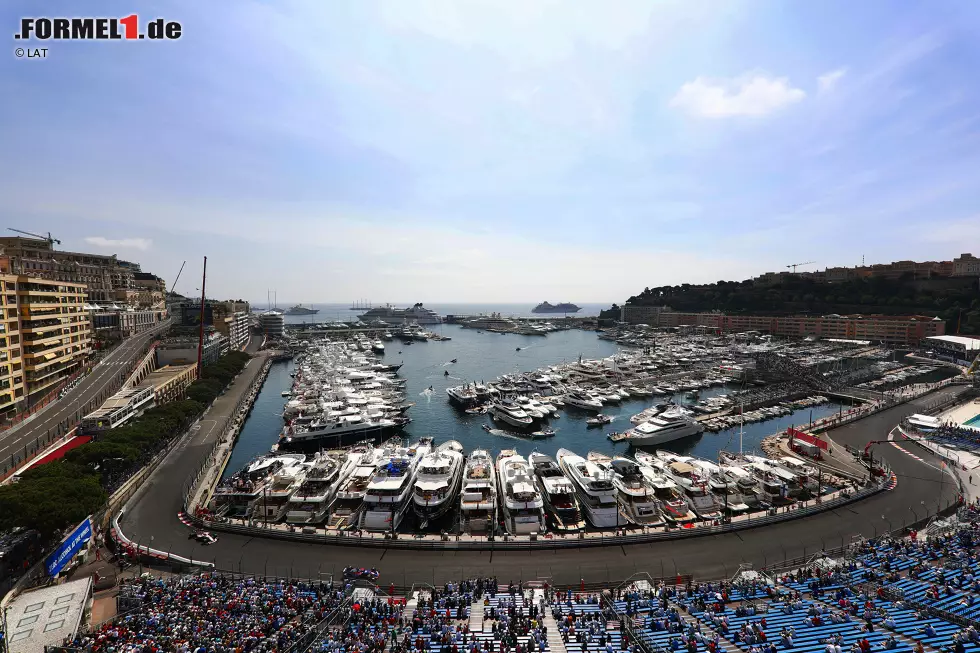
{"points": [[920, 593]]}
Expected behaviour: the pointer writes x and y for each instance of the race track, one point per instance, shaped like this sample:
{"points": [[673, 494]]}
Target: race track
{"points": [[922, 489]]}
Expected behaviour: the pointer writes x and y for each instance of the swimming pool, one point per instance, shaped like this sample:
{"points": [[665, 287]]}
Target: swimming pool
{"points": [[973, 421]]}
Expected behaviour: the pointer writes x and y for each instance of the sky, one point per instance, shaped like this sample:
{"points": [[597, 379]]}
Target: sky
{"points": [[498, 150]]}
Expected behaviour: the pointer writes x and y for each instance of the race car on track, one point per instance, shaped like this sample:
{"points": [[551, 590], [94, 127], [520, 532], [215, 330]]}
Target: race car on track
{"points": [[203, 537]]}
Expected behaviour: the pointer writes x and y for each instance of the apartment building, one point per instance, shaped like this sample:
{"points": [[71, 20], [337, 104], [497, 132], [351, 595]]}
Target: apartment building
{"points": [[12, 387], [107, 279], [55, 331], [966, 265], [906, 330], [233, 320], [272, 324]]}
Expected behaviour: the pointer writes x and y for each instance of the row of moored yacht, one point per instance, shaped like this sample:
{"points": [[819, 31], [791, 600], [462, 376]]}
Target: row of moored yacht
{"points": [[373, 488], [341, 395]]}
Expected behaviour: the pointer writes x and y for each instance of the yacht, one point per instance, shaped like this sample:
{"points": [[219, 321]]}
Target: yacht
{"points": [[238, 496], [582, 401], [310, 503], [637, 495], [438, 481], [673, 503], [668, 426], [559, 494], [692, 482], [464, 395], [345, 511], [478, 498], [338, 431], [487, 322], [808, 474], [387, 495], [723, 486], [594, 488], [793, 481], [511, 414], [275, 497], [522, 504], [747, 486], [378, 347]]}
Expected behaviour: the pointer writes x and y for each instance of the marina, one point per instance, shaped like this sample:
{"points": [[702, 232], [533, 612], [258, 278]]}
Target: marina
{"points": [[404, 440]]}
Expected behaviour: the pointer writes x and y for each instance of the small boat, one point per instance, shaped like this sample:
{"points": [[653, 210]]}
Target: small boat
{"points": [[518, 349], [599, 420], [542, 434], [453, 360], [486, 427], [446, 373], [287, 393]]}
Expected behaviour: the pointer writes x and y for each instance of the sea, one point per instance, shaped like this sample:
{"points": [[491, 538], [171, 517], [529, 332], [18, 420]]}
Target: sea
{"points": [[343, 312], [483, 356]]}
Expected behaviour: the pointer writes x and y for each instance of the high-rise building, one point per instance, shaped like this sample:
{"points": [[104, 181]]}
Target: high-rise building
{"points": [[44, 336], [272, 324]]}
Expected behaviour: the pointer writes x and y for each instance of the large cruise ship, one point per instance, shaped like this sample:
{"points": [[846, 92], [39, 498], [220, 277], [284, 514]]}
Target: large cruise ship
{"points": [[565, 307], [391, 315]]}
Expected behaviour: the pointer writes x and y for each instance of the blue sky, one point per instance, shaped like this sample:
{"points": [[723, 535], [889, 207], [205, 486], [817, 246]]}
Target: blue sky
{"points": [[499, 150]]}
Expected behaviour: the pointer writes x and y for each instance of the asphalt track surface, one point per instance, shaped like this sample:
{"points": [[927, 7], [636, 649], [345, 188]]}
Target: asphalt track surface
{"points": [[922, 488], [31, 435]]}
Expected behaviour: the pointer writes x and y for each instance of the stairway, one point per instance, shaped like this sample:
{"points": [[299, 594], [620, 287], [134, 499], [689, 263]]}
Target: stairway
{"points": [[476, 617], [555, 642]]}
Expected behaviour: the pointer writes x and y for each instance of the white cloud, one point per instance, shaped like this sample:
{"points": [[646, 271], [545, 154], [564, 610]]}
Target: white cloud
{"points": [[123, 243], [748, 95], [828, 81]]}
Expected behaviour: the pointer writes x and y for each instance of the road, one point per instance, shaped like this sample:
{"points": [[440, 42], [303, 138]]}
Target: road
{"points": [[55, 419], [921, 489]]}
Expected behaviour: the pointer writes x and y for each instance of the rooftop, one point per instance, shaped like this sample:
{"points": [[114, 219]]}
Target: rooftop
{"points": [[45, 617], [969, 343], [163, 375]]}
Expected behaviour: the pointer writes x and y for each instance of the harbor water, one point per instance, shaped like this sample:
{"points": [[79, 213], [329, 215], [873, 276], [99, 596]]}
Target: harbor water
{"points": [[483, 356]]}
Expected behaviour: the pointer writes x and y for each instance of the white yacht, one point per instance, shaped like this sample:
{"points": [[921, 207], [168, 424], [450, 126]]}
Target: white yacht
{"points": [[511, 414], [582, 401], [747, 486], [668, 426], [637, 495], [674, 505], [723, 486], [692, 482], [464, 395], [378, 347], [388, 494], [478, 498], [522, 504], [438, 481], [345, 511], [559, 494], [311, 501], [808, 474], [594, 488], [275, 497], [793, 482]]}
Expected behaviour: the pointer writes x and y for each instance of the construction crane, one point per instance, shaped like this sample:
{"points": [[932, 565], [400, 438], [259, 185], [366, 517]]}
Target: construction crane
{"points": [[47, 238], [796, 265]]}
